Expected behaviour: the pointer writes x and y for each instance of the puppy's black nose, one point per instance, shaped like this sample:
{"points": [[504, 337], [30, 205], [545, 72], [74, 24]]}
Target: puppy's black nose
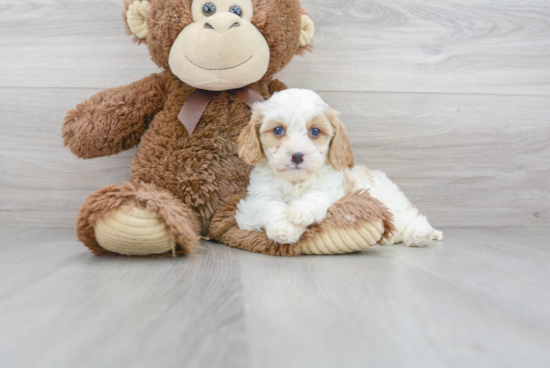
{"points": [[298, 158]]}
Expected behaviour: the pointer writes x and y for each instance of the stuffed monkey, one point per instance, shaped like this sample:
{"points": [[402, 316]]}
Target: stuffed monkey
{"points": [[217, 57]]}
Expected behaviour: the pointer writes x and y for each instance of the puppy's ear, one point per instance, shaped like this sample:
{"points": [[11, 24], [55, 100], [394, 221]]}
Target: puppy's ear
{"points": [[340, 154], [250, 148]]}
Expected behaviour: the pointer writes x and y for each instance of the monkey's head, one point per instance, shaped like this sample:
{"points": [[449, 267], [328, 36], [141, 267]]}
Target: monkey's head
{"points": [[220, 44]]}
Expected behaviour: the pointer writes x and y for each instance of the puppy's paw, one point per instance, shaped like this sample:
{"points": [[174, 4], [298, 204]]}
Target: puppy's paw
{"points": [[387, 241], [437, 235], [284, 232], [418, 236], [300, 216], [393, 239]]}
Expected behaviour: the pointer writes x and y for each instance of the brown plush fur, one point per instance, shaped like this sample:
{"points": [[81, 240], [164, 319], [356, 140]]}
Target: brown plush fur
{"points": [[181, 221], [114, 120], [351, 211], [181, 178], [198, 170]]}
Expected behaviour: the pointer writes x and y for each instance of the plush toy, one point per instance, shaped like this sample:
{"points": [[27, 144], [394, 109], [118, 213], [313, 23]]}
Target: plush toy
{"points": [[218, 57]]}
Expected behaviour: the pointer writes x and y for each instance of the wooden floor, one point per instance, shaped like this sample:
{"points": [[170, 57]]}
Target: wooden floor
{"points": [[480, 298], [449, 97]]}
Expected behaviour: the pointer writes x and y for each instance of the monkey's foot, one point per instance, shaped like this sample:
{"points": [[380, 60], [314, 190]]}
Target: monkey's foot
{"points": [[340, 240], [134, 232], [137, 219]]}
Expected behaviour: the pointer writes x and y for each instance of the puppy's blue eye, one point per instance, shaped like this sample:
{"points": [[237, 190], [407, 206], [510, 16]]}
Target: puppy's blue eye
{"points": [[278, 131], [236, 10], [315, 132], [208, 9]]}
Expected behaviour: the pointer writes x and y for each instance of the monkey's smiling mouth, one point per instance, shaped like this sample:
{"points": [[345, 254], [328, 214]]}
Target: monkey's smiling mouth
{"points": [[232, 67]]}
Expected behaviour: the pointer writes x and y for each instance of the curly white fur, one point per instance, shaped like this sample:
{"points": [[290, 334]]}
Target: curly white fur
{"points": [[286, 196]]}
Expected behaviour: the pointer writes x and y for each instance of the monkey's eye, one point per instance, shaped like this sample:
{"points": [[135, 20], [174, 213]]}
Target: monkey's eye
{"points": [[235, 9], [279, 131], [208, 9], [315, 132]]}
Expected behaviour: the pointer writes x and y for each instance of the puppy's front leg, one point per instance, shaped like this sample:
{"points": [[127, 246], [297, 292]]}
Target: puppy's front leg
{"points": [[278, 227], [311, 208]]}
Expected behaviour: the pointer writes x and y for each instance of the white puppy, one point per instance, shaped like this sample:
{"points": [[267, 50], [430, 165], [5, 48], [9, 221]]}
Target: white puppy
{"points": [[303, 165]]}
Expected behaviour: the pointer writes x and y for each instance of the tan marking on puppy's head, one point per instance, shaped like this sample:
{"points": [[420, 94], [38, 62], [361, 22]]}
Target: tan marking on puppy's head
{"points": [[268, 138], [321, 122], [340, 154], [249, 147]]}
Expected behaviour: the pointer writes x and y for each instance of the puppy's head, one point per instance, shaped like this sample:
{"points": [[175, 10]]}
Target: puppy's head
{"points": [[298, 133]]}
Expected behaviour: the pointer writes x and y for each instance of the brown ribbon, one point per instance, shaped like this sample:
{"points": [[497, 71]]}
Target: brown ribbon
{"points": [[194, 107], [248, 96], [196, 104]]}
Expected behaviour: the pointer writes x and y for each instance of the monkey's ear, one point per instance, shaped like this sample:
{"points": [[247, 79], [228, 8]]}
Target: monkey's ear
{"points": [[136, 18], [340, 155], [307, 32], [250, 148]]}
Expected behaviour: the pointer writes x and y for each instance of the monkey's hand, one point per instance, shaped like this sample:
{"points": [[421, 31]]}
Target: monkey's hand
{"points": [[113, 120]]}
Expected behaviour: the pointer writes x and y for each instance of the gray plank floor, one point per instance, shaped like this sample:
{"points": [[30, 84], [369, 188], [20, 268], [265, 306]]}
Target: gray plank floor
{"points": [[480, 298]]}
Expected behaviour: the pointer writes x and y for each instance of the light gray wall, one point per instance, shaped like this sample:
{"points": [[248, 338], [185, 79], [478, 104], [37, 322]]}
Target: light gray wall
{"points": [[450, 98]]}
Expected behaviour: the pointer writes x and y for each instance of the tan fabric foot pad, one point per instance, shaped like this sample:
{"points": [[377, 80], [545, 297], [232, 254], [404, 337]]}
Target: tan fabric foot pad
{"points": [[133, 231], [335, 240]]}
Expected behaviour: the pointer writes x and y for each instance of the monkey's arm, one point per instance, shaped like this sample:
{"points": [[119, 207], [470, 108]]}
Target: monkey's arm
{"points": [[113, 120], [276, 86]]}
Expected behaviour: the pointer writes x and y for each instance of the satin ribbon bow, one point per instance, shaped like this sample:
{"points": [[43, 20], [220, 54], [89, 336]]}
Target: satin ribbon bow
{"points": [[194, 107]]}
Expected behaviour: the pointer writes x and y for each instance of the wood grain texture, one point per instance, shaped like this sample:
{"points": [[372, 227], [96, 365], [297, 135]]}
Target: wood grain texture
{"points": [[451, 46], [464, 160], [50, 43], [62, 307], [444, 306], [479, 298]]}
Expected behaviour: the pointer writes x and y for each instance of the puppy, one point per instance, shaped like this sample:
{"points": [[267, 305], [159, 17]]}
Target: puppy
{"points": [[303, 165]]}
